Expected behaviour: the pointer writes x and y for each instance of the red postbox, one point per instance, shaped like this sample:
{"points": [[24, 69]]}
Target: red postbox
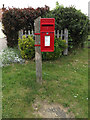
{"points": [[47, 27]]}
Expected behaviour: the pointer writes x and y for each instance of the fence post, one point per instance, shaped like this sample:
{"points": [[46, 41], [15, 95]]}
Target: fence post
{"points": [[61, 34], [66, 39], [20, 34], [57, 33], [28, 32], [38, 55], [25, 33], [32, 32]]}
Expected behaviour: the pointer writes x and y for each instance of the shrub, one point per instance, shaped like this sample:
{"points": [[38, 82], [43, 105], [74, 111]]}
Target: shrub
{"points": [[26, 46], [74, 20], [15, 19], [59, 46]]}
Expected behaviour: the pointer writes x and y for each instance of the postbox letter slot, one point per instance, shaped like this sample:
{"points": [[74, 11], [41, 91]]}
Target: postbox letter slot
{"points": [[47, 25]]}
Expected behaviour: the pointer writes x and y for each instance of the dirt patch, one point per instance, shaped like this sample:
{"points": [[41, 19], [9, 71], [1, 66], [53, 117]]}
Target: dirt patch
{"points": [[46, 110]]}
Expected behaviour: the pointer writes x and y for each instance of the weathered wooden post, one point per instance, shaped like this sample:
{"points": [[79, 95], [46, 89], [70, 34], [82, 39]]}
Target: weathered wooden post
{"points": [[38, 55], [66, 39]]}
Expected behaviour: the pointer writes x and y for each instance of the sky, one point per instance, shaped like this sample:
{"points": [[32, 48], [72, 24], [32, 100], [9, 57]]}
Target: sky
{"points": [[79, 4]]}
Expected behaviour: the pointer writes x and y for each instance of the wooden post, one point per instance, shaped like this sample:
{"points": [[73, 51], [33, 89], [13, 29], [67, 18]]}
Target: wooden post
{"points": [[66, 39], [38, 55]]}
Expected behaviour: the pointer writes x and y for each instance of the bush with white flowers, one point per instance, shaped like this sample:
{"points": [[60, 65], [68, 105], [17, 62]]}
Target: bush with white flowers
{"points": [[9, 56]]}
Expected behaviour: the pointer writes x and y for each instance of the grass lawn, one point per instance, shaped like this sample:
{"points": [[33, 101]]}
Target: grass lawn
{"points": [[65, 81]]}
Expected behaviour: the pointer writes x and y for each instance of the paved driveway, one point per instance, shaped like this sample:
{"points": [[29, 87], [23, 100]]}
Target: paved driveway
{"points": [[3, 42]]}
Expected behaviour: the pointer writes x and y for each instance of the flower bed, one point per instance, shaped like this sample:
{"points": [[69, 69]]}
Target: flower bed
{"points": [[9, 56]]}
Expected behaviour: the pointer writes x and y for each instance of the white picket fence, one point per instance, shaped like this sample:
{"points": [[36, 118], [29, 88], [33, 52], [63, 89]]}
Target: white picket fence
{"points": [[26, 33], [58, 33]]}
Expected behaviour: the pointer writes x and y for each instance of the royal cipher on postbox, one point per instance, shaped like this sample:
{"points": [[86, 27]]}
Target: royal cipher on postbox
{"points": [[47, 27]]}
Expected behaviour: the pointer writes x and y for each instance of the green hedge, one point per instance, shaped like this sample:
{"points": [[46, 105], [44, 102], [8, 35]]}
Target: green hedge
{"points": [[15, 19], [74, 20]]}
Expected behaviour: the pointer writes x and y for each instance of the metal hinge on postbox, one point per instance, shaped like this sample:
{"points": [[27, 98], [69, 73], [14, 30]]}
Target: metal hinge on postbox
{"points": [[37, 34]]}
